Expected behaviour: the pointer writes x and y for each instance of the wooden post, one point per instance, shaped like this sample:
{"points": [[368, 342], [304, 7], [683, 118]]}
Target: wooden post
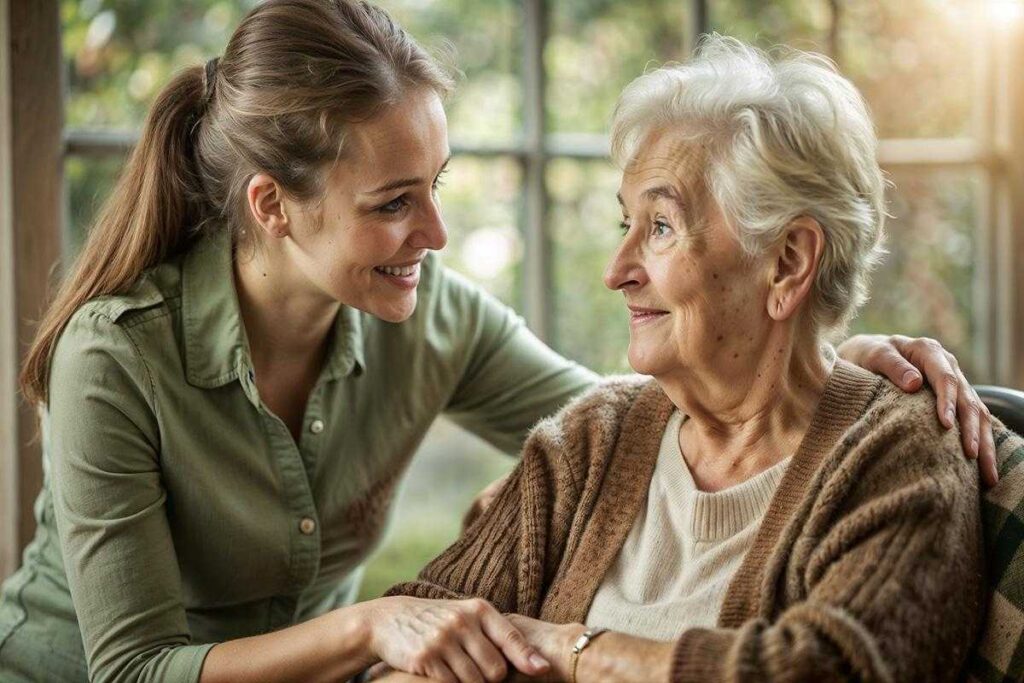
{"points": [[1007, 43], [1013, 285], [31, 188]]}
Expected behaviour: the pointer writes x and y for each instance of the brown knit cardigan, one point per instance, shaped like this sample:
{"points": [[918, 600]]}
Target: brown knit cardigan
{"points": [[867, 564]]}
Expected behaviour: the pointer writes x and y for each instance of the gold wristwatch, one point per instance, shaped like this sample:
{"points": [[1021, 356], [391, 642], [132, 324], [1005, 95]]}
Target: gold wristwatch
{"points": [[581, 644]]}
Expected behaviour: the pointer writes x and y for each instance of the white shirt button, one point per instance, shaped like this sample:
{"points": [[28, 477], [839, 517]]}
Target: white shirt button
{"points": [[316, 426], [307, 526]]}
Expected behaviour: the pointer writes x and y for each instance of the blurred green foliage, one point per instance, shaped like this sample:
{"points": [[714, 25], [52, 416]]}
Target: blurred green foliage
{"points": [[913, 59]]}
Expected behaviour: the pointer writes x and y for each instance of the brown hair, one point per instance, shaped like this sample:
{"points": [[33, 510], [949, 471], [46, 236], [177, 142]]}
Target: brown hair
{"points": [[294, 73]]}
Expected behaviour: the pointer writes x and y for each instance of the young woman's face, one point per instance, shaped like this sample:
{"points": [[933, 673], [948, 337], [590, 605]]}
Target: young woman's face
{"points": [[364, 244]]}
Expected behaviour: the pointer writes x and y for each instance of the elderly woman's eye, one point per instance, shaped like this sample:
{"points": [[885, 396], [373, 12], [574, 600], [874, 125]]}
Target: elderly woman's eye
{"points": [[661, 229]]}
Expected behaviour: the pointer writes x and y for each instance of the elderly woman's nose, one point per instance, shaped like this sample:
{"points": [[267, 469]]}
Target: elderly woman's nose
{"points": [[624, 269]]}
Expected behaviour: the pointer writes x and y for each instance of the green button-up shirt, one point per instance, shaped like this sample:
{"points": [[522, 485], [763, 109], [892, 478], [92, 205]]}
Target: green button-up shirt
{"points": [[178, 510]]}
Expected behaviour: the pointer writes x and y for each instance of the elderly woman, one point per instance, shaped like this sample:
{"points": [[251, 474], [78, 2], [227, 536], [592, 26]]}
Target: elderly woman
{"points": [[757, 509]]}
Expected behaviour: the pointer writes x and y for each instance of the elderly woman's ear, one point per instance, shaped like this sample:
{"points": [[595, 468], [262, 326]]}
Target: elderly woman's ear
{"points": [[796, 257]]}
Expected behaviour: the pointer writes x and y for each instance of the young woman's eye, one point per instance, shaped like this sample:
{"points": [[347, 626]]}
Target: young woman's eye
{"points": [[439, 180], [661, 229], [623, 227], [394, 206]]}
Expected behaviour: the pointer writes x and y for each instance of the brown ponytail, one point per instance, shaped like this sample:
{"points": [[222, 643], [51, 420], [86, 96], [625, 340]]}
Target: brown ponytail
{"points": [[294, 73]]}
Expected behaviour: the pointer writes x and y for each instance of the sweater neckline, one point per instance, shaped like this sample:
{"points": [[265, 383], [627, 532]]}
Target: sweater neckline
{"points": [[627, 479], [712, 515]]}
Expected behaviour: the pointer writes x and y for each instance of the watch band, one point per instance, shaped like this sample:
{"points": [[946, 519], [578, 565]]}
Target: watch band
{"points": [[581, 644]]}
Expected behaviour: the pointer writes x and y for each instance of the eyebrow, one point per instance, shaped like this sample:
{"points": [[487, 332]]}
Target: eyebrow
{"points": [[662, 192], [659, 192], [405, 182]]}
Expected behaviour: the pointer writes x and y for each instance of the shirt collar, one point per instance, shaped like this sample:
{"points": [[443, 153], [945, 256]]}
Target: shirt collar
{"points": [[216, 350]]}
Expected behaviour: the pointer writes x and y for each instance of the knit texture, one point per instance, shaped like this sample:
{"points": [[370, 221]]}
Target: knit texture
{"points": [[868, 562], [685, 545]]}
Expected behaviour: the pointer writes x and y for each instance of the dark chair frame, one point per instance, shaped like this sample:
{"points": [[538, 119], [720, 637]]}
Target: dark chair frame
{"points": [[1006, 404]]}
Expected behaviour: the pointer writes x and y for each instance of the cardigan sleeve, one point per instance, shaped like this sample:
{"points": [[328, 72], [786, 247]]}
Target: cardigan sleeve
{"points": [[894, 584], [505, 556], [512, 552]]}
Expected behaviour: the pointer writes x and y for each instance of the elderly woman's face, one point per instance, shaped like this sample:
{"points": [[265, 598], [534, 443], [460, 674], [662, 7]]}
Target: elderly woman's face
{"points": [[694, 298]]}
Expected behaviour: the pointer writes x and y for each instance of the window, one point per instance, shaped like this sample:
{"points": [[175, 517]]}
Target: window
{"points": [[530, 199]]}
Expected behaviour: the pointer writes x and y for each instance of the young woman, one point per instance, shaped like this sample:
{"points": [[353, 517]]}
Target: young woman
{"points": [[253, 342]]}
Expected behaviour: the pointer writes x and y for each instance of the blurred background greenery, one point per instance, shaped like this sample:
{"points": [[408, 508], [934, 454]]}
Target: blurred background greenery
{"points": [[913, 60]]}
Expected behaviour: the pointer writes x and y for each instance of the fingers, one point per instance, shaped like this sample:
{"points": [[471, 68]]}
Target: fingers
{"points": [[464, 668], [439, 671], [955, 399], [939, 368], [475, 653], [888, 361], [455, 641], [968, 408], [487, 658], [378, 670], [987, 455], [513, 644]]}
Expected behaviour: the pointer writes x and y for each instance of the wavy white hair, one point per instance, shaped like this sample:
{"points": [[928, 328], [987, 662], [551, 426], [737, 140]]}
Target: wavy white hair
{"points": [[784, 136]]}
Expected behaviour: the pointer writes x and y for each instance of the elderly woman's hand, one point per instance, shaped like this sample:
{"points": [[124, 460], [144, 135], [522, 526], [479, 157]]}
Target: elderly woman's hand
{"points": [[904, 359], [553, 641], [452, 641]]}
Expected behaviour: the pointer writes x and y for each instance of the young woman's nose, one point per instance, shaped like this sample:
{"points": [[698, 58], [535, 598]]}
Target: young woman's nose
{"points": [[431, 232]]}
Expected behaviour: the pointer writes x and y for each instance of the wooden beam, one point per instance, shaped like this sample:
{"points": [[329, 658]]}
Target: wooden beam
{"points": [[934, 153], [32, 229], [1011, 347], [8, 333]]}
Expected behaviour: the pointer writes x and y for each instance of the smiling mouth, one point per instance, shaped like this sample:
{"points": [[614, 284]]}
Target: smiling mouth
{"points": [[638, 316], [399, 271], [404, 277]]}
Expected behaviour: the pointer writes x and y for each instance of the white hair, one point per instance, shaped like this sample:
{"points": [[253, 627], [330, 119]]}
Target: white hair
{"points": [[784, 137]]}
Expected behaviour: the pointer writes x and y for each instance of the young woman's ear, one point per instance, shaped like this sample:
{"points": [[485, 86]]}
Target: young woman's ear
{"points": [[797, 256], [267, 206]]}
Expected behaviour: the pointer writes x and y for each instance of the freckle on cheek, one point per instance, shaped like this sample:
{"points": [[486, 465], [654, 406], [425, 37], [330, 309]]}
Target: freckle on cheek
{"points": [[720, 337]]}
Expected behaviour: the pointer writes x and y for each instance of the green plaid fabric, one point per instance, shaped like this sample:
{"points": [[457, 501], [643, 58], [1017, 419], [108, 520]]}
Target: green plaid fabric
{"points": [[999, 653]]}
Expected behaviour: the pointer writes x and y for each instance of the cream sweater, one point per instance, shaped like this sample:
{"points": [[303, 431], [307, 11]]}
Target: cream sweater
{"points": [[685, 545]]}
